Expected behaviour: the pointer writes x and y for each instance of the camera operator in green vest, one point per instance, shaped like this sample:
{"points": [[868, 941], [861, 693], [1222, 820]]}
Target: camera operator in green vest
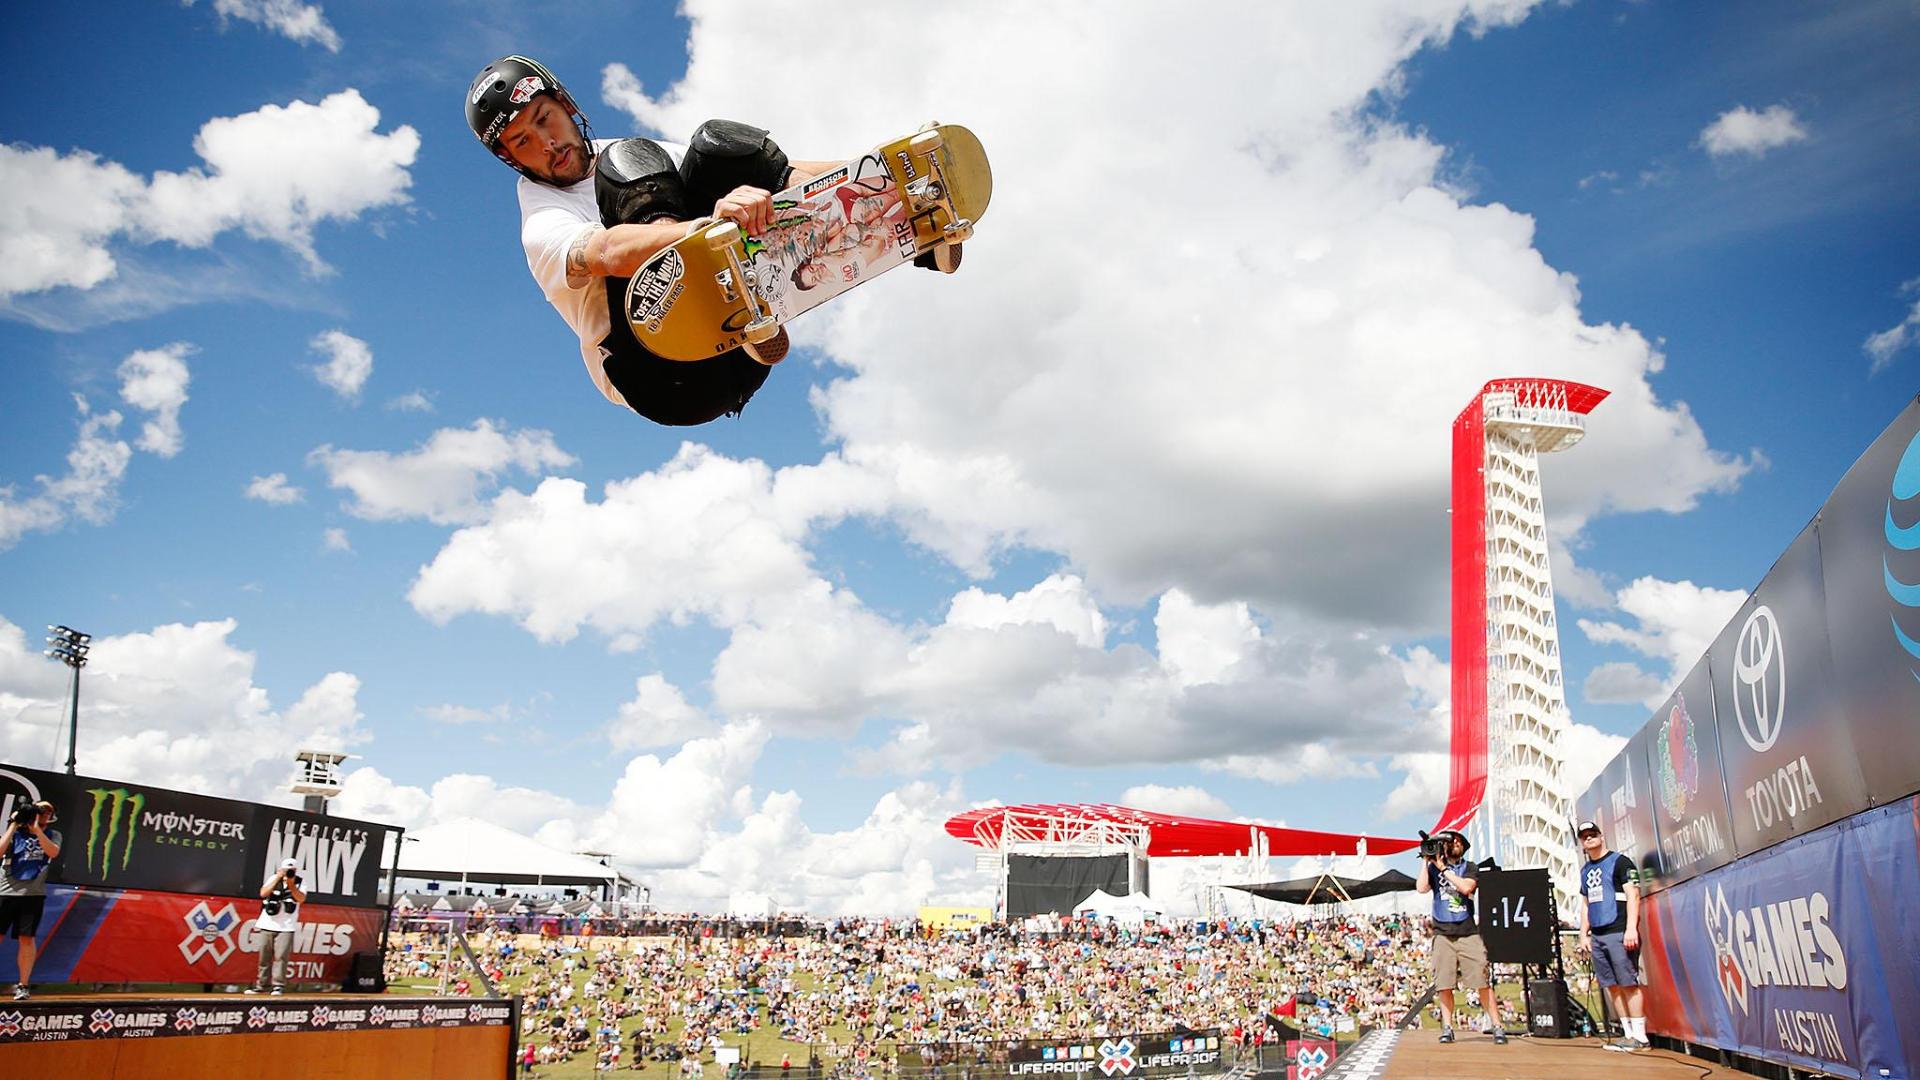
{"points": [[1459, 955]]}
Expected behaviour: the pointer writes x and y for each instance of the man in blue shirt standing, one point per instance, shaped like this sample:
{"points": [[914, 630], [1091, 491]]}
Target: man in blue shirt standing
{"points": [[1610, 932], [26, 847], [1459, 955]]}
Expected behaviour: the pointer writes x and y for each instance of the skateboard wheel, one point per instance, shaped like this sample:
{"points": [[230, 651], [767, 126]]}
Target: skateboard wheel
{"points": [[926, 144], [929, 125], [723, 235], [958, 232], [761, 330]]}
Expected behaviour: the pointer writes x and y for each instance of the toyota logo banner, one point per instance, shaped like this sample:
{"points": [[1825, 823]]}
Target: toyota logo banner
{"points": [[1788, 751]]}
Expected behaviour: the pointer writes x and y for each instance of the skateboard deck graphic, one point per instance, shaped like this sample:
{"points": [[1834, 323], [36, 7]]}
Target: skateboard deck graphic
{"points": [[830, 233]]}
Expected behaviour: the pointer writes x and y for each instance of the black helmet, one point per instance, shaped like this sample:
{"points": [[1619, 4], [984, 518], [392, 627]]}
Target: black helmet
{"points": [[505, 87]]}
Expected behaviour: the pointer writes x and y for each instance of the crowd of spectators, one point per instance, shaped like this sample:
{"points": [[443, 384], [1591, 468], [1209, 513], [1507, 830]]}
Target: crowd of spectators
{"points": [[858, 997]]}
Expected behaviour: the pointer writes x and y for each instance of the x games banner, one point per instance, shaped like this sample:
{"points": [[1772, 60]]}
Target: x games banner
{"points": [[91, 935], [72, 1021], [1803, 954], [117, 835]]}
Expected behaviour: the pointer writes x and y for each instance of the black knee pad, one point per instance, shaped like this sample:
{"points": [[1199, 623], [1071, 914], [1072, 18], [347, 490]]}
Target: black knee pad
{"points": [[635, 183], [723, 155]]}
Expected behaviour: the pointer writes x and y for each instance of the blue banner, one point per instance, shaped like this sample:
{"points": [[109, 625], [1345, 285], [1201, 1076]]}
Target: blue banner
{"points": [[1804, 954]]}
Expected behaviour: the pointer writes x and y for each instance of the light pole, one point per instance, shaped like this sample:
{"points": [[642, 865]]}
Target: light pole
{"points": [[69, 646]]}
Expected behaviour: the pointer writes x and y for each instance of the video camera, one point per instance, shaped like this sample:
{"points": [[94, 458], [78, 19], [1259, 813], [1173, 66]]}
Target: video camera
{"points": [[25, 814], [1435, 846]]}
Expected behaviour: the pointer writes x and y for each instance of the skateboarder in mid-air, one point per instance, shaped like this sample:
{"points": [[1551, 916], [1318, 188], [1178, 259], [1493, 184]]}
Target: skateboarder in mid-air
{"points": [[593, 211]]}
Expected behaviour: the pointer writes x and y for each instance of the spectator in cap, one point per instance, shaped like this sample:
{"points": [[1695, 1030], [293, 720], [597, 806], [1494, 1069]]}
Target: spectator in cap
{"points": [[1610, 932]]}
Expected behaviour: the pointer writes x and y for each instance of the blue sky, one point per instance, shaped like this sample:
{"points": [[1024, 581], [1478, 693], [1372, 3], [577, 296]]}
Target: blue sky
{"points": [[1061, 527]]}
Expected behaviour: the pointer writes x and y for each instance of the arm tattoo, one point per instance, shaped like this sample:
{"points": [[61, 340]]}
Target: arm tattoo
{"points": [[577, 259]]}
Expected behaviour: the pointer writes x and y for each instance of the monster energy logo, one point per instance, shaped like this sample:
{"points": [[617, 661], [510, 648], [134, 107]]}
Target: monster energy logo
{"points": [[112, 800]]}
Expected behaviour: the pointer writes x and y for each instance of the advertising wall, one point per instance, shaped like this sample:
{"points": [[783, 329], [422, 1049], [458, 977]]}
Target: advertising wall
{"points": [[1110, 1057], [1804, 953], [133, 936], [1806, 708], [1780, 779], [117, 835]]}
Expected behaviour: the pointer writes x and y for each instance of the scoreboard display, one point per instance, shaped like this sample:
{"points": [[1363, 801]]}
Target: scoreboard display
{"points": [[1516, 916]]}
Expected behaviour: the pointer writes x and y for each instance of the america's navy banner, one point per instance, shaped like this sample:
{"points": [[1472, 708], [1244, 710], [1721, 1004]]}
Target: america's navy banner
{"points": [[92, 935], [123, 835], [1803, 954]]}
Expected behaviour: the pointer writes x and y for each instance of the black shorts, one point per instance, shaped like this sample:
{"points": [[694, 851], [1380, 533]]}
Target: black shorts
{"points": [[21, 915]]}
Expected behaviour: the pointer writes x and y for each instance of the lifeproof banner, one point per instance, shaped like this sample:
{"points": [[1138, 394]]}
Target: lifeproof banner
{"points": [[119, 835], [1107, 1057], [1802, 954], [72, 1020], [90, 935]]}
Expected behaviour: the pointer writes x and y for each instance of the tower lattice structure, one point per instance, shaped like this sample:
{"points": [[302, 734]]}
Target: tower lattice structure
{"points": [[1507, 675]]}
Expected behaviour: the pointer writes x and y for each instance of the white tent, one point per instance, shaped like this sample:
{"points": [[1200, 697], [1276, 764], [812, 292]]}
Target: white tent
{"points": [[474, 850], [1130, 910]]}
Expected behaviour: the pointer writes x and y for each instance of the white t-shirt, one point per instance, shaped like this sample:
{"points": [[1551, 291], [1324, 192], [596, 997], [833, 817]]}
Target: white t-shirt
{"points": [[288, 917], [551, 219]]}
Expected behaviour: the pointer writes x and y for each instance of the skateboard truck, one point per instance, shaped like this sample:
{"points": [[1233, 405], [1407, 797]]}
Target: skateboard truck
{"points": [[933, 188], [725, 238]]}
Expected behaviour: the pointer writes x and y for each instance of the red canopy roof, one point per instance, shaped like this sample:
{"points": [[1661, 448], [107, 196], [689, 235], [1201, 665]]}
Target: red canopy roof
{"points": [[1168, 834]]}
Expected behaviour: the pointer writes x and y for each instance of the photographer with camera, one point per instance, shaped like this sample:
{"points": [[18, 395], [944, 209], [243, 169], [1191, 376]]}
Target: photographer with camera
{"points": [[26, 847], [1459, 955], [280, 900]]}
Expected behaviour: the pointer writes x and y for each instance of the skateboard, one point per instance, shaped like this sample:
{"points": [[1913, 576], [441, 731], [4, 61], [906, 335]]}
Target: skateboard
{"points": [[721, 288]]}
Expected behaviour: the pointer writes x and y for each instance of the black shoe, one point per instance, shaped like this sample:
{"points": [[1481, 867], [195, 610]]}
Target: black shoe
{"points": [[1446, 1035], [1499, 1037]]}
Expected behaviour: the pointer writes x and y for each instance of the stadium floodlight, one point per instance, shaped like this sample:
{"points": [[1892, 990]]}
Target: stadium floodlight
{"points": [[70, 646]]}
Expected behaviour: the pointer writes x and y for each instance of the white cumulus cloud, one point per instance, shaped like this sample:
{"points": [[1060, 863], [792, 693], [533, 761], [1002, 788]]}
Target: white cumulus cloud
{"points": [[1673, 622], [155, 380], [274, 488], [274, 173], [1741, 130], [348, 366], [1889, 343], [175, 706], [303, 23], [443, 480]]}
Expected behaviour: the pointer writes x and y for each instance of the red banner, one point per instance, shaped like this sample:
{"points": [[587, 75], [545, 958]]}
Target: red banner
{"points": [[115, 936]]}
